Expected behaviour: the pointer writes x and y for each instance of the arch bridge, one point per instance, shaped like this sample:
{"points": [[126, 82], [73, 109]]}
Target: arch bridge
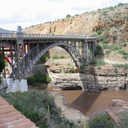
{"points": [[24, 50]]}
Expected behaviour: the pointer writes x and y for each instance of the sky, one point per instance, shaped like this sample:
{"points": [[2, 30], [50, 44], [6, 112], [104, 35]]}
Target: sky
{"points": [[25, 13]]}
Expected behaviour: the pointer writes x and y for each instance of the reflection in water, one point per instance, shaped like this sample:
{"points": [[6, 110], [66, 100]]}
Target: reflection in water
{"points": [[92, 103]]}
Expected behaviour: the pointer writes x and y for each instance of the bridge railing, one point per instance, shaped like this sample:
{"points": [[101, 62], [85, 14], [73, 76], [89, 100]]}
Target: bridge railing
{"points": [[7, 35], [22, 35], [56, 36]]}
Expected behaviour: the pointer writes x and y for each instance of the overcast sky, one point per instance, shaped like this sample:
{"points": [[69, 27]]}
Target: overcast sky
{"points": [[31, 12]]}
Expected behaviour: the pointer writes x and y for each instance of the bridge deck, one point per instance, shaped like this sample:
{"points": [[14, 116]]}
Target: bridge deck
{"points": [[14, 36]]}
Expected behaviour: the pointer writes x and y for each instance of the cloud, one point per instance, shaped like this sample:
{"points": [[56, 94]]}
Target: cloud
{"points": [[30, 12]]}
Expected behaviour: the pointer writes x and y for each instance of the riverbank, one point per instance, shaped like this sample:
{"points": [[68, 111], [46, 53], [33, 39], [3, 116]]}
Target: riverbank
{"points": [[67, 110], [89, 104]]}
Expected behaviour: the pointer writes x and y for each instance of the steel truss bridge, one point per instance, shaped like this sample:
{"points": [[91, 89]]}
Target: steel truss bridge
{"points": [[22, 51]]}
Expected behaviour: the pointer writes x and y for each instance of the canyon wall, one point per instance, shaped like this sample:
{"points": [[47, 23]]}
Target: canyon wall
{"points": [[92, 79]]}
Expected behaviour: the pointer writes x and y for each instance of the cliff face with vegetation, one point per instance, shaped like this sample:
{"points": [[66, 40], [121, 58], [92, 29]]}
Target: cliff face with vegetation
{"points": [[111, 23]]}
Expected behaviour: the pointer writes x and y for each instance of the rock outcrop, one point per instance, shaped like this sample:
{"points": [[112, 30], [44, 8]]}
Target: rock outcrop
{"points": [[92, 78]]}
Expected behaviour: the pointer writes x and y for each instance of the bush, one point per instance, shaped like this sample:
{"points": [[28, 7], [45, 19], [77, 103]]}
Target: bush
{"points": [[68, 16], [121, 52], [38, 79], [99, 32], [125, 57], [43, 58], [124, 66], [105, 40], [99, 62], [2, 63], [105, 46], [123, 120], [115, 47], [125, 54], [39, 107], [101, 121], [99, 51], [58, 57]]}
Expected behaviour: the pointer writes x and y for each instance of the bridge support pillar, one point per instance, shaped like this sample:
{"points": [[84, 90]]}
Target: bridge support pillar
{"points": [[19, 56], [3, 53], [88, 51], [17, 61], [85, 52]]}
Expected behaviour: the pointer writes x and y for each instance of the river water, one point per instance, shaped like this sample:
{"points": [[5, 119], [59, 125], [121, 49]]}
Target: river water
{"points": [[92, 103]]}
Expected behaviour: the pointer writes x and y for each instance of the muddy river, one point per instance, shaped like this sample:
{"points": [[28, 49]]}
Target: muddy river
{"points": [[92, 103]]}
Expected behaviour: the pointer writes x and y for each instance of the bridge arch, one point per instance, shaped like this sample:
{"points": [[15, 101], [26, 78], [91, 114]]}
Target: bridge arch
{"points": [[69, 48], [32, 57]]}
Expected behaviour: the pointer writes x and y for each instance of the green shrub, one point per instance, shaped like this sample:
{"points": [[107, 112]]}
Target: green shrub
{"points": [[39, 107], [111, 8], [125, 54], [99, 32], [105, 46], [101, 121], [124, 44], [99, 51], [115, 47], [58, 57], [123, 120], [71, 70], [122, 52], [125, 57], [43, 59], [104, 12], [2, 63], [98, 62], [38, 79], [105, 40], [68, 16], [124, 66]]}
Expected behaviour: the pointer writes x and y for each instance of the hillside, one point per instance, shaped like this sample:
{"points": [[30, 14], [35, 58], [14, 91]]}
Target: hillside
{"points": [[4, 31], [110, 23]]}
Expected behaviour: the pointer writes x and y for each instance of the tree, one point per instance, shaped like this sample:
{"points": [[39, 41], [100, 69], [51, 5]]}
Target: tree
{"points": [[68, 16], [2, 63]]}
